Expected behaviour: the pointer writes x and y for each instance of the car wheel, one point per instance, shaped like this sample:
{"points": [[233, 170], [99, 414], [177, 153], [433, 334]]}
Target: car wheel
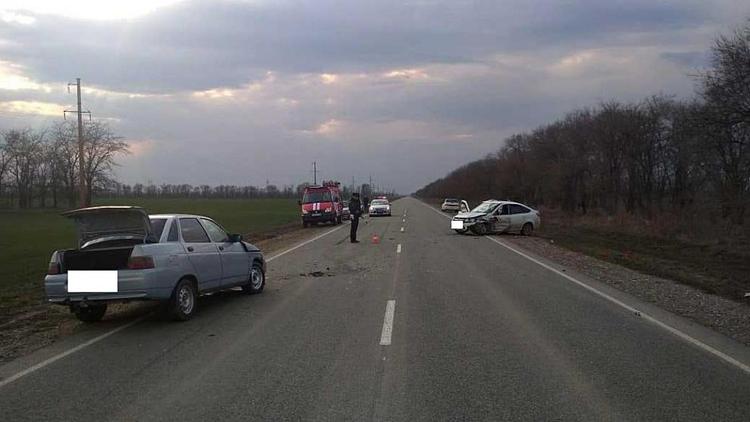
{"points": [[184, 300], [527, 229], [91, 313], [257, 280], [479, 229]]}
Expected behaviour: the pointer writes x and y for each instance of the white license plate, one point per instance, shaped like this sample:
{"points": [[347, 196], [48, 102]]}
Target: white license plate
{"points": [[91, 281], [457, 224]]}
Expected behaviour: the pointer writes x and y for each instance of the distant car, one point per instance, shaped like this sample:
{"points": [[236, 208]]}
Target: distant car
{"points": [[345, 213], [379, 207], [451, 204], [167, 257], [493, 216]]}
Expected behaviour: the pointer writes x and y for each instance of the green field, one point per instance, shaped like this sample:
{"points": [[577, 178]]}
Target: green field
{"points": [[27, 238]]}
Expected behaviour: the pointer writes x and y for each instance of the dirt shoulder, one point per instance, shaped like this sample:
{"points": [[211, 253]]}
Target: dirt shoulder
{"points": [[35, 326], [723, 315]]}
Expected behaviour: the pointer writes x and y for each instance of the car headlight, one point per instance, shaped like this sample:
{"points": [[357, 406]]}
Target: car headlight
{"points": [[304, 211], [328, 210]]}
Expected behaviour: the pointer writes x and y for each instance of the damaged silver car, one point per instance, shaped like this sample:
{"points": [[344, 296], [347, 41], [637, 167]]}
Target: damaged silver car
{"points": [[123, 254], [493, 216]]}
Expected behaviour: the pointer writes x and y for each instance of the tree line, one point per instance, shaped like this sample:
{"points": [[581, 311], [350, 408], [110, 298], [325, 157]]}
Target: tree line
{"points": [[659, 154], [40, 168]]}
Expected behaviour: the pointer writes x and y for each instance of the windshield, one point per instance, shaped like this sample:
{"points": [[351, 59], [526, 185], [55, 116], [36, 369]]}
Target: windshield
{"points": [[485, 207], [451, 201], [316, 196], [379, 202]]}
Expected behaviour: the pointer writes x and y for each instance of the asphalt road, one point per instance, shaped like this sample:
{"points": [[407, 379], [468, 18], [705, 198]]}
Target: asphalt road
{"points": [[478, 333]]}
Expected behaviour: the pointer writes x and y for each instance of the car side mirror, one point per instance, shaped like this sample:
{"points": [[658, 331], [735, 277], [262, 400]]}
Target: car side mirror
{"points": [[234, 238]]}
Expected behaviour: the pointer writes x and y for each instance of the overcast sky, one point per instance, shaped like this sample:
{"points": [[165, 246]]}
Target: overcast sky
{"points": [[240, 92]]}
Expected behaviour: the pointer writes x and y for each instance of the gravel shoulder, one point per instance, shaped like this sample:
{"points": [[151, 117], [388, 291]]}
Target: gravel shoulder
{"points": [[718, 313]]}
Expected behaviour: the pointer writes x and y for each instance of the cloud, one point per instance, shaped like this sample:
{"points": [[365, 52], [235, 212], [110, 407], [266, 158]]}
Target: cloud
{"points": [[237, 92]]}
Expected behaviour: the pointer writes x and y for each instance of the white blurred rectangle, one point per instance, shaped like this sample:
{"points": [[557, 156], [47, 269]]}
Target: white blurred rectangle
{"points": [[457, 224], [91, 281]]}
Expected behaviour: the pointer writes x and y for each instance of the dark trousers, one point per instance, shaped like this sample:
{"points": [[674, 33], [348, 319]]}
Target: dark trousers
{"points": [[355, 224]]}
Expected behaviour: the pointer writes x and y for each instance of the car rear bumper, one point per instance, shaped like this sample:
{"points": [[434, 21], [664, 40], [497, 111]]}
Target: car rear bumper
{"points": [[131, 285]]}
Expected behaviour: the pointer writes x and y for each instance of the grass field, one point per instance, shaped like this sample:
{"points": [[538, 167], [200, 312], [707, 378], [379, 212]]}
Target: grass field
{"points": [[27, 238]]}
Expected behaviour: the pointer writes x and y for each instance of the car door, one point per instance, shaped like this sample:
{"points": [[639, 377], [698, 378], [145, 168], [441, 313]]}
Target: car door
{"points": [[501, 219], [518, 216], [235, 265], [202, 253]]}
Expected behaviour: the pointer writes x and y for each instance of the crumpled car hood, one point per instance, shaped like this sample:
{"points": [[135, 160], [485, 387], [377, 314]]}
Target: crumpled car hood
{"points": [[465, 215]]}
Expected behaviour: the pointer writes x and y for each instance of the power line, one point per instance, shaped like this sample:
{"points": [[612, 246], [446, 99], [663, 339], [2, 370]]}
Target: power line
{"points": [[83, 197]]}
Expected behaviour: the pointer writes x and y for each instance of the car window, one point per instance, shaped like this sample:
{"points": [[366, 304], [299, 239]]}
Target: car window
{"points": [[192, 231], [518, 209], [157, 226], [215, 232], [379, 202], [504, 210], [173, 236]]}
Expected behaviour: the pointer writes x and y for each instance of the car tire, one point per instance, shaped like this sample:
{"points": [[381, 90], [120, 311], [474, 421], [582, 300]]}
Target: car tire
{"points": [[480, 229], [91, 313], [184, 300], [527, 229], [256, 281]]}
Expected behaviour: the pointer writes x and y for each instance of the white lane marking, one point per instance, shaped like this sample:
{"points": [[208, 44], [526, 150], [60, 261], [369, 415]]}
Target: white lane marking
{"points": [[398, 248], [692, 340], [647, 317], [385, 335], [304, 243], [81, 346], [403, 221], [101, 337], [402, 229]]}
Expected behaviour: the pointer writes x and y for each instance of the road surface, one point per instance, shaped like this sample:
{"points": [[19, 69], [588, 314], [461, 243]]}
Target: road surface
{"points": [[426, 325]]}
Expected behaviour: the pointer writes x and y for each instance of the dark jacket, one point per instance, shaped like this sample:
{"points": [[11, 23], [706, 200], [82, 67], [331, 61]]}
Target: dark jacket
{"points": [[355, 207]]}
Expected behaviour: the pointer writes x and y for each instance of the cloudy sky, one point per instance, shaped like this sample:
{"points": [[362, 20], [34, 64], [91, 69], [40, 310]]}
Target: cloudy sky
{"points": [[241, 92]]}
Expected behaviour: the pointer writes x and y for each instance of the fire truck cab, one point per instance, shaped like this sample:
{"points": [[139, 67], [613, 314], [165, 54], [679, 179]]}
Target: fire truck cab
{"points": [[322, 204]]}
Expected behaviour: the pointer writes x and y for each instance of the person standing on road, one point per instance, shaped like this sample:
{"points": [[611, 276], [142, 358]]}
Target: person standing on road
{"points": [[365, 204], [356, 209]]}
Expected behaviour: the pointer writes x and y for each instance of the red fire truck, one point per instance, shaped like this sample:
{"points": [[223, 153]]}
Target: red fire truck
{"points": [[322, 204]]}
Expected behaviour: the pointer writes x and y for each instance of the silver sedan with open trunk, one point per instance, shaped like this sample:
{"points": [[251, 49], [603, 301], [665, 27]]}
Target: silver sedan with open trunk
{"points": [[123, 254]]}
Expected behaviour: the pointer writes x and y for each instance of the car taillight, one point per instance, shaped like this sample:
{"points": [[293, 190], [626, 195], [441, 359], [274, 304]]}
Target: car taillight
{"points": [[54, 268], [140, 263]]}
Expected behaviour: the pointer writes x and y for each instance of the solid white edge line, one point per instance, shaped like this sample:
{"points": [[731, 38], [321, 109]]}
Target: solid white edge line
{"points": [[101, 337], [398, 248], [55, 358], [385, 335], [692, 340]]}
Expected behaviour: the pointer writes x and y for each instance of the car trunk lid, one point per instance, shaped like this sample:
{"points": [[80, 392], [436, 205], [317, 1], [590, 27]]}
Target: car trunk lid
{"points": [[110, 222]]}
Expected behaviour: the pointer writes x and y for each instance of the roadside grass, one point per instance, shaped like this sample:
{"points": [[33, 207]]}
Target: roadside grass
{"points": [[28, 238], [714, 263], [699, 253]]}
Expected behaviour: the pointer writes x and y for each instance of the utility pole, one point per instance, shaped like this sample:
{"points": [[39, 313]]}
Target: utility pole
{"points": [[315, 173], [82, 194]]}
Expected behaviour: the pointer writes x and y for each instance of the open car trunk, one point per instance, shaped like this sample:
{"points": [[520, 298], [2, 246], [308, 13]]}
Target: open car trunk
{"points": [[96, 259], [106, 237]]}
